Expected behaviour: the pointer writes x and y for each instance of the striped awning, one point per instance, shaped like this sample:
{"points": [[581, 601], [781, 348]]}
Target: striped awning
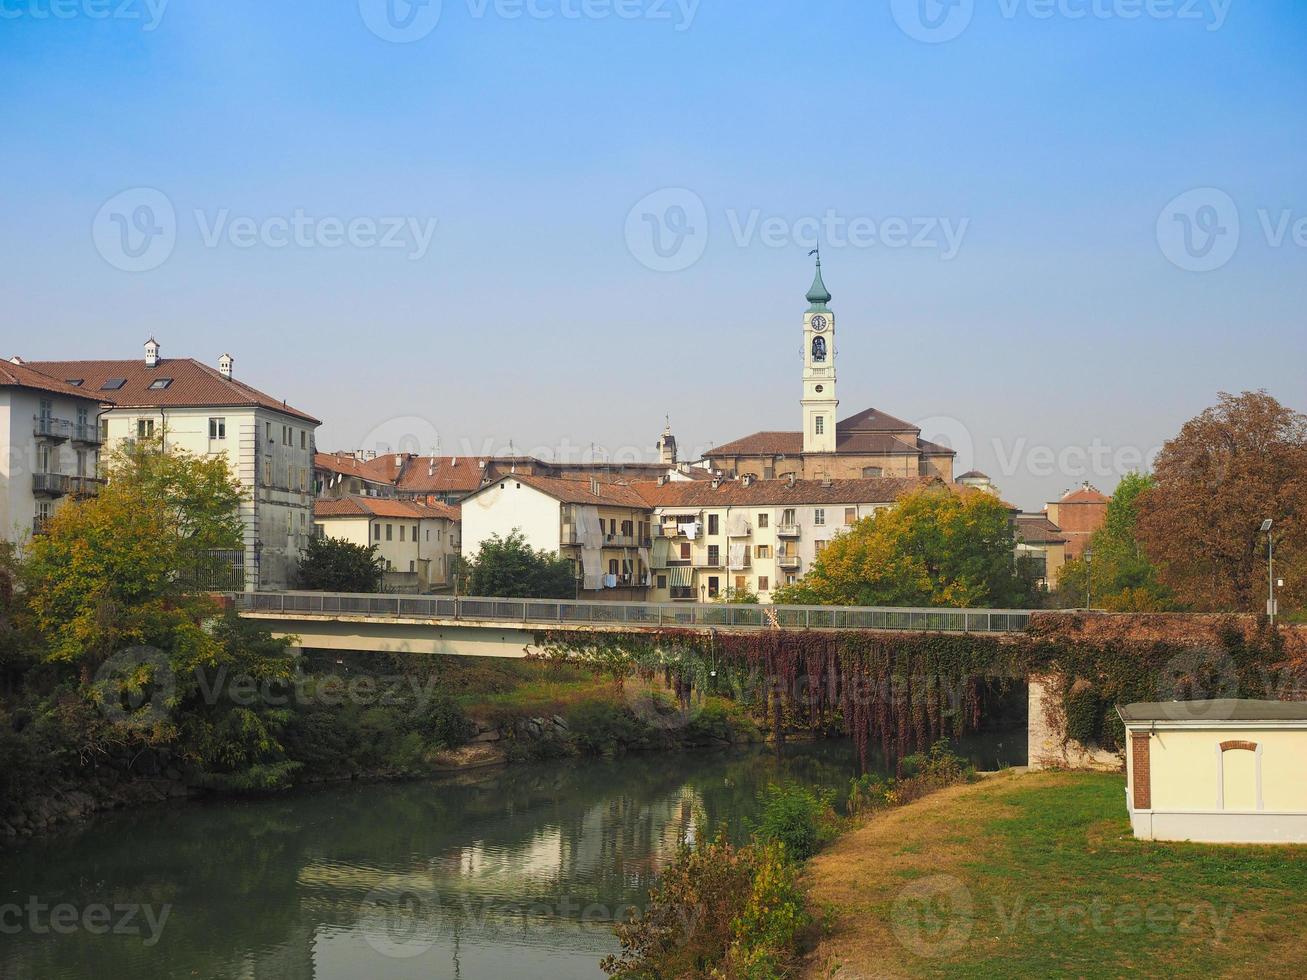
{"points": [[680, 577]]}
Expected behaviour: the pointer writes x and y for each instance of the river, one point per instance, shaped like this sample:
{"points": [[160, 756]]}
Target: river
{"points": [[514, 872]]}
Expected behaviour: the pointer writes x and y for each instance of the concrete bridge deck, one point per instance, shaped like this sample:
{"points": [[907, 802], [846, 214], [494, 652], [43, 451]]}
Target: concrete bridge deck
{"points": [[475, 626]]}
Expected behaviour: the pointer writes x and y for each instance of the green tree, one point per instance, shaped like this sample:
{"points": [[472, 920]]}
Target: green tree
{"points": [[511, 568], [334, 565], [934, 547], [116, 570], [1119, 576]]}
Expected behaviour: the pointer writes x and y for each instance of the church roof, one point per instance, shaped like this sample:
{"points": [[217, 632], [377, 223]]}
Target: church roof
{"points": [[869, 432], [818, 295]]}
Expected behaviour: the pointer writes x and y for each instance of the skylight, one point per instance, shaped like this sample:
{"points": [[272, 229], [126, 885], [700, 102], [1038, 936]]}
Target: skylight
{"points": [[113, 384], [160, 383], [75, 382]]}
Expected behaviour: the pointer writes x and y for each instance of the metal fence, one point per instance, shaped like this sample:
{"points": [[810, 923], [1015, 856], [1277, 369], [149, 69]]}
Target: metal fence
{"points": [[537, 612]]}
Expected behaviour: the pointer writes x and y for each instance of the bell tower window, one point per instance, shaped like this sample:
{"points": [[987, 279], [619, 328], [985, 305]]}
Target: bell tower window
{"points": [[819, 348], [821, 425]]}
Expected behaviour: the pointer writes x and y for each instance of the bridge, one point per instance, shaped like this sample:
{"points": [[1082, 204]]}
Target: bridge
{"points": [[489, 627]]}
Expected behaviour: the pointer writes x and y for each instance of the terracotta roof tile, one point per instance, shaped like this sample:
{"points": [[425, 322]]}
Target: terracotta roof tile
{"points": [[1038, 529], [870, 432], [25, 376], [383, 507], [193, 385]]}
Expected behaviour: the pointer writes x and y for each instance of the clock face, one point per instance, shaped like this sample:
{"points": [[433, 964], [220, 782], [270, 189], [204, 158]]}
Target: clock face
{"points": [[819, 323]]}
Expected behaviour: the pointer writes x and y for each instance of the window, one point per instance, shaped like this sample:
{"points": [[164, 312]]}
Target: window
{"points": [[81, 462], [791, 579], [83, 418], [267, 431], [428, 534], [788, 517], [401, 532], [217, 428], [762, 520], [75, 382], [662, 581], [762, 583], [820, 422], [741, 583], [714, 555], [628, 528], [376, 532], [113, 384], [412, 565], [819, 517], [267, 471], [612, 566], [158, 384], [685, 550], [850, 515], [872, 472], [762, 551], [145, 428], [304, 438], [104, 430], [712, 524], [714, 586], [820, 546], [390, 531]]}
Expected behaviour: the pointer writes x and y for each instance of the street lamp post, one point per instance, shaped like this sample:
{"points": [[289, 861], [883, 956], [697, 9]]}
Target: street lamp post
{"points": [[1270, 569]]}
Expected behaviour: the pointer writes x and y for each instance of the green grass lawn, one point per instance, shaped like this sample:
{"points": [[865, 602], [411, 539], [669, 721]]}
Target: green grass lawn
{"points": [[1032, 875]]}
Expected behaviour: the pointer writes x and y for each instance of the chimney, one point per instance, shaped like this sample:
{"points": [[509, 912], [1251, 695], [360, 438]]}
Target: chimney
{"points": [[790, 478], [151, 353], [594, 485], [716, 482], [747, 479], [224, 365]]}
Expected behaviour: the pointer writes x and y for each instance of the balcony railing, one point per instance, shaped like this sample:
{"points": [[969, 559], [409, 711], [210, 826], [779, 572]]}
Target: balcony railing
{"points": [[49, 484], [534, 612], [787, 530], [45, 427], [787, 561], [87, 432], [40, 524], [84, 486], [709, 561]]}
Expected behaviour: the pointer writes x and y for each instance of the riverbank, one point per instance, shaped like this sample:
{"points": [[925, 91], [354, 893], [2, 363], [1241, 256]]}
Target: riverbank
{"points": [[1025, 875]]}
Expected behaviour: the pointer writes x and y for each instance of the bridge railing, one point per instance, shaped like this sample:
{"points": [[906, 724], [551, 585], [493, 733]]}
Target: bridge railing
{"points": [[691, 614]]}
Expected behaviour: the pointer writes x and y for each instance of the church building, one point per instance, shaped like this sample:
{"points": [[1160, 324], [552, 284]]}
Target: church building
{"points": [[866, 445]]}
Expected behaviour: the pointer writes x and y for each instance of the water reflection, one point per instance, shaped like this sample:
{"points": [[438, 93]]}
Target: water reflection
{"points": [[515, 871]]}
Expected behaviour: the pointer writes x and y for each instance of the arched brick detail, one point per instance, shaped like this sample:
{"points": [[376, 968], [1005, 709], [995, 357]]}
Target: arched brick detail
{"points": [[1232, 745]]}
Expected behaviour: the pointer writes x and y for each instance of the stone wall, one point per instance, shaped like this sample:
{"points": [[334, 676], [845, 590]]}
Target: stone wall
{"points": [[1047, 745]]}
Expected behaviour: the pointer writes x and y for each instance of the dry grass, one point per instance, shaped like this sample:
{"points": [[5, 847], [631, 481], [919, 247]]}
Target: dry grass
{"points": [[1055, 884]]}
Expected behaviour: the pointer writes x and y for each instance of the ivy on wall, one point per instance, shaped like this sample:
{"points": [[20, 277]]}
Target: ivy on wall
{"points": [[904, 691]]}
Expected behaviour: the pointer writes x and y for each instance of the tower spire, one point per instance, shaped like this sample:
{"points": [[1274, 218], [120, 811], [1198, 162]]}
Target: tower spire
{"points": [[818, 295]]}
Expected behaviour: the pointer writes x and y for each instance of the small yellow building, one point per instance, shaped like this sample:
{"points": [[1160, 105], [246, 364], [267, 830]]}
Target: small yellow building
{"points": [[1225, 770]]}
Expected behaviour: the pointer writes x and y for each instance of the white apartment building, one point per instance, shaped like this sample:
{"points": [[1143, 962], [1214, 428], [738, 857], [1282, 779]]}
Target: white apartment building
{"points": [[753, 535], [49, 448], [418, 542], [205, 410]]}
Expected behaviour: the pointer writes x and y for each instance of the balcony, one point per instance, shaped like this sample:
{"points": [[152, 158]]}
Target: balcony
{"points": [[788, 562], [56, 430], [88, 433], [40, 524], [787, 530], [710, 561], [49, 484], [619, 541], [83, 486]]}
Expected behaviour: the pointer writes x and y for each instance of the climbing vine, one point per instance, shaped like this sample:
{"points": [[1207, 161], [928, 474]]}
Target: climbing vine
{"points": [[902, 692]]}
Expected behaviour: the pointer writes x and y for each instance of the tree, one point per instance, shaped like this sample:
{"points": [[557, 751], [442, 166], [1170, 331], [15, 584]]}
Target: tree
{"points": [[1240, 462], [511, 568], [934, 547], [1120, 576], [116, 570], [335, 565]]}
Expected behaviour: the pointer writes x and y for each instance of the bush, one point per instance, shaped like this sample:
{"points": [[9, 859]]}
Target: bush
{"points": [[918, 774], [606, 726], [717, 910], [796, 818]]}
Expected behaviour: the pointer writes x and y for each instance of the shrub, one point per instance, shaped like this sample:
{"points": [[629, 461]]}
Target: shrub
{"points": [[796, 818], [717, 910], [605, 727]]}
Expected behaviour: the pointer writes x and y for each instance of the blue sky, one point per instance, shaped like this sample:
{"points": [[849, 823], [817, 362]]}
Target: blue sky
{"points": [[1063, 326]]}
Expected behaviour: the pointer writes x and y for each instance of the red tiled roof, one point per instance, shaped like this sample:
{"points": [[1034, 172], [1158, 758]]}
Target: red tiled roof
{"points": [[870, 432], [1038, 529], [571, 491], [383, 507], [441, 474], [24, 376], [1083, 495], [767, 493], [194, 385]]}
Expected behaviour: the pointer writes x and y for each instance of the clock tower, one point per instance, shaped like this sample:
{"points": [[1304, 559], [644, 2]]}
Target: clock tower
{"points": [[819, 401]]}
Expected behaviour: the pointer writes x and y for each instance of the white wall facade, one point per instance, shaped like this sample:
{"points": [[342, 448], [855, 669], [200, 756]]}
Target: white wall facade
{"points": [[423, 548], [63, 460], [509, 505], [269, 452]]}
